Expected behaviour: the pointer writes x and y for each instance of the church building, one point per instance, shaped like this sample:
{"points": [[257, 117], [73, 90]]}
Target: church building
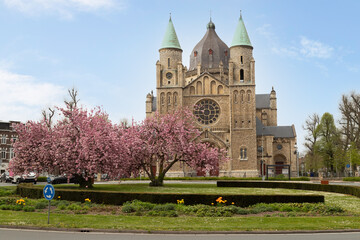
{"points": [[221, 80]]}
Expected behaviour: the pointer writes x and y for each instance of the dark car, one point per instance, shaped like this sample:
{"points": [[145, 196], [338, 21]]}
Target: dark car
{"points": [[59, 180]]}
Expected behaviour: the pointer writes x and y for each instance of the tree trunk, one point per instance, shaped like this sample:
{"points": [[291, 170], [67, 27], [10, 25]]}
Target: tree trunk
{"points": [[83, 182], [157, 182]]}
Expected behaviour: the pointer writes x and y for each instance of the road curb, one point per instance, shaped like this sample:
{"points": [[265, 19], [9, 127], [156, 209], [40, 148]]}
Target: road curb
{"points": [[90, 230]]}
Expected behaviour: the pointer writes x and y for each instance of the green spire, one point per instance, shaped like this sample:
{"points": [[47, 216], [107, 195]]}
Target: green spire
{"points": [[170, 39], [241, 37]]}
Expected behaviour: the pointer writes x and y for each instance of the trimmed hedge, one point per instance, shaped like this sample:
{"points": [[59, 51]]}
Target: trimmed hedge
{"points": [[352, 179], [220, 178], [351, 190], [118, 198]]}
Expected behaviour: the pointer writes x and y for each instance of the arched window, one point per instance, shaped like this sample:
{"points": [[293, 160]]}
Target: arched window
{"points": [[169, 99], [195, 53], [248, 95], [175, 98], [220, 89], [213, 87], [210, 51], [198, 87], [162, 98], [242, 75], [168, 62], [242, 96], [243, 153], [192, 90], [226, 53], [241, 59], [236, 96]]}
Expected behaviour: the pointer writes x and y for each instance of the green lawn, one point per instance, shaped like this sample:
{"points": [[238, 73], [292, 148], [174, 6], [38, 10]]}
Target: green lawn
{"points": [[267, 222], [348, 202], [121, 222]]}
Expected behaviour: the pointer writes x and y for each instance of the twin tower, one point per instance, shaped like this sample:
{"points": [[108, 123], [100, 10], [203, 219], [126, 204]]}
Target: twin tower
{"points": [[222, 81]]}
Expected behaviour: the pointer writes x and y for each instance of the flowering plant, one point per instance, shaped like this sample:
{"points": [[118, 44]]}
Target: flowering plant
{"points": [[180, 201]]}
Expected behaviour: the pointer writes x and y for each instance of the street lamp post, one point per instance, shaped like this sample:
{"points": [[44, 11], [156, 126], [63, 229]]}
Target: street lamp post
{"points": [[297, 160], [350, 160]]}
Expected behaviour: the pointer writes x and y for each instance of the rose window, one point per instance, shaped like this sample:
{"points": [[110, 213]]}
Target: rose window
{"points": [[206, 111]]}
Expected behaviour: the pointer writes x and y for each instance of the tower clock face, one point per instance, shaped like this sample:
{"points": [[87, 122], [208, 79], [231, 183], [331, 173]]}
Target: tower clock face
{"points": [[169, 75], [207, 111]]}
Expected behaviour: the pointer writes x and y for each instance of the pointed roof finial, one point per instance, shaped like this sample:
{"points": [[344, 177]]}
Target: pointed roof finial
{"points": [[241, 37], [210, 15], [170, 39], [170, 15]]}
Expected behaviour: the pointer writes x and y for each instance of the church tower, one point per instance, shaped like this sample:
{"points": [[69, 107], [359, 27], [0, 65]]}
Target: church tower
{"points": [[242, 101], [169, 72]]}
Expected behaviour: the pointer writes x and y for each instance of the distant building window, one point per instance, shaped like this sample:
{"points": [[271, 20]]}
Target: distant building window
{"points": [[210, 51], [14, 139], [12, 154], [242, 75], [226, 53], [3, 139], [243, 154], [195, 54], [3, 154], [168, 62], [241, 60]]}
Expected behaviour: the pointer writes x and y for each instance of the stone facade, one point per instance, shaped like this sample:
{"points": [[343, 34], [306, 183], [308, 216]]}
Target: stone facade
{"points": [[233, 117]]}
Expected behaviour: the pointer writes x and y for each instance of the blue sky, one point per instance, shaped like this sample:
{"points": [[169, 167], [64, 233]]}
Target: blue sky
{"points": [[107, 49]]}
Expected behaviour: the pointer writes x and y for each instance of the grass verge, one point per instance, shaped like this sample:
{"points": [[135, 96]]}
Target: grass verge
{"points": [[121, 222]]}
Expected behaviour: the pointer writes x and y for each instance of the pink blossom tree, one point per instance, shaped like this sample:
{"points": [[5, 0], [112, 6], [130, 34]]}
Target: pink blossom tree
{"points": [[85, 143], [33, 148], [163, 140], [82, 144]]}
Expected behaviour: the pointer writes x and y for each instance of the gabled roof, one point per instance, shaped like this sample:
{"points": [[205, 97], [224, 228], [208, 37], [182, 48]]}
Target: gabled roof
{"points": [[170, 39], [207, 73], [276, 131], [262, 101], [241, 37]]}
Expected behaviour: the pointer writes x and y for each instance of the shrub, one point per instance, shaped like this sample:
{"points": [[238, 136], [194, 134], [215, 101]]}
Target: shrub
{"points": [[127, 209], [165, 207], [42, 179], [41, 205], [74, 207], [28, 209]]}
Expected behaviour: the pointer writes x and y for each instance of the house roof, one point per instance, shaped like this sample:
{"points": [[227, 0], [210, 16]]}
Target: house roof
{"points": [[276, 131]]}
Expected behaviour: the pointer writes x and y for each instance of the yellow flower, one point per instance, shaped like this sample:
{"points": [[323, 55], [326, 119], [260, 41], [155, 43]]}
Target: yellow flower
{"points": [[87, 200], [212, 204], [232, 203], [59, 196], [180, 201]]}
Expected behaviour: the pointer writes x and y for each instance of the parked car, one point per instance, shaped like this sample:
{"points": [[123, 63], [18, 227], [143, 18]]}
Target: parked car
{"points": [[25, 178], [5, 177], [63, 179]]}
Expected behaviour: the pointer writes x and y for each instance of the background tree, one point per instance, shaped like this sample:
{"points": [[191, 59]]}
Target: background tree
{"points": [[313, 158], [159, 142]]}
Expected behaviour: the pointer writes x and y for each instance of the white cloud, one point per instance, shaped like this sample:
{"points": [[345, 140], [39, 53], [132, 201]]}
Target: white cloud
{"points": [[311, 48], [305, 48], [64, 8], [23, 97]]}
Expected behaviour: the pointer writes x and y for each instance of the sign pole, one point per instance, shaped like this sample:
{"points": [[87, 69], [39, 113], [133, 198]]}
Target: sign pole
{"points": [[49, 212], [49, 193]]}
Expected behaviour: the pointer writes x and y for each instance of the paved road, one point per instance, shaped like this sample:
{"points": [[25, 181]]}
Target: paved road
{"points": [[10, 234]]}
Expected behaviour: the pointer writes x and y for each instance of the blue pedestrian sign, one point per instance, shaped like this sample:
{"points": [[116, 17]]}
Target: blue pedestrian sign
{"points": [[347, 165], [49, 192]]}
